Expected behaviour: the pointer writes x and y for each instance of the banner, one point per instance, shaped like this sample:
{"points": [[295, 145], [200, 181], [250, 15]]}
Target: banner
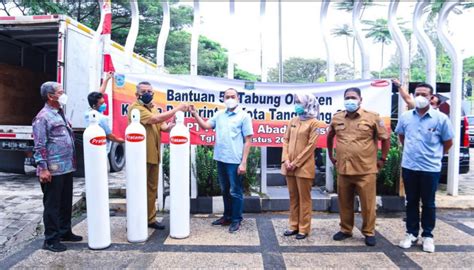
{"points": [[270, 105]]}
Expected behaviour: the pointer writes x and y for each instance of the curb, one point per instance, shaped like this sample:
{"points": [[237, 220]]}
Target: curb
{"points": [[324, 203], [255, 204]]}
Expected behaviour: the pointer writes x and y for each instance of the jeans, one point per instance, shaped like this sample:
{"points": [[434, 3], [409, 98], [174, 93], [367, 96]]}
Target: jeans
{"points": [[232, 190], [57, 202], [420, 185]]}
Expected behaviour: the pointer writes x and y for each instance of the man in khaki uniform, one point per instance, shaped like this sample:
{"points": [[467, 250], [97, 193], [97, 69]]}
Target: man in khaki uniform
{"points": [[154, 123], [357, 132]]}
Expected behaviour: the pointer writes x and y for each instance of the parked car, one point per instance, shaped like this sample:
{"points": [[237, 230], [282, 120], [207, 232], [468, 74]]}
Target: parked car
{"points": [[470, 120], [463, 152]]}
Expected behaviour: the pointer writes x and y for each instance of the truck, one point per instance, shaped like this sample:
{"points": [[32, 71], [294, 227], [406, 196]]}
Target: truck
{"points": [[35, 49]]}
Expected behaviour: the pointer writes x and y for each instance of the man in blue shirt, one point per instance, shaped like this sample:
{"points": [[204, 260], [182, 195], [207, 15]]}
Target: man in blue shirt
{"points": [[97, 102], [234, 132], [426, 134]]}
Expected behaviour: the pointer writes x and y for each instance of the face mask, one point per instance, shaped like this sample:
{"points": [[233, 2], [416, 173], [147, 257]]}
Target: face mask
{"points": [[421, 102], [230, 103], [62, 100], [102, 108], [351, 105], [146, 98], [299, 109]]}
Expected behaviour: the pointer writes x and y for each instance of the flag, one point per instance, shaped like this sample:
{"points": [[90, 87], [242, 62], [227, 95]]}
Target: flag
{"points": [[106, 32]]}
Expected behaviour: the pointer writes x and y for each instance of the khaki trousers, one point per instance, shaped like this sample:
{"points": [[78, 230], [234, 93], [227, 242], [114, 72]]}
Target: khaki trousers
{"points": [[151, 190], [301, 205], [364, 186]]}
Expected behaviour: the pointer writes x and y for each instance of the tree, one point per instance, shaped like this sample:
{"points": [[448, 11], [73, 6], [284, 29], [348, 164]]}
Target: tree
{"points": [[241, 74], [344, 72], [299, 70], [346, 31], [29, 7], [212, 57], [418, 70], [435, 8], [380, 33], [348, 6], [468, 67]]}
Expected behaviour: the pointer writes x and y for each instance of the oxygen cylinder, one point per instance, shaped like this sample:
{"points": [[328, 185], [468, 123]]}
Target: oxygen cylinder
{"points": [[135, 162], [97, 188], [179, 179]]}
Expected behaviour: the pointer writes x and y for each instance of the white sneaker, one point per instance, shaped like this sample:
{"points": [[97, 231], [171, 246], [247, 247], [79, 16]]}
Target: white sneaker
{"points": [[428, 244], [409, 240]]}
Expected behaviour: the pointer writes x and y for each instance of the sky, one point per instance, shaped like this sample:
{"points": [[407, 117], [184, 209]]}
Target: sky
{"points": [[301, 31]]}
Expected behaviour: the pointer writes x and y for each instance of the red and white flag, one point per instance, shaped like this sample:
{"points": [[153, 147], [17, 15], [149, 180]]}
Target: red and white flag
{"points": [[106, 32]]}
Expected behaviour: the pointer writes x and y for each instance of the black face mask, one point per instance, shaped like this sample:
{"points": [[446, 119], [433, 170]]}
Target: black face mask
{"points": [[146, 98]]}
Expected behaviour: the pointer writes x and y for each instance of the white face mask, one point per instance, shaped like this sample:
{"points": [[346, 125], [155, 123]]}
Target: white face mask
{"points": [[230, 103], [351, 105], [62, 99], [421, 102]]}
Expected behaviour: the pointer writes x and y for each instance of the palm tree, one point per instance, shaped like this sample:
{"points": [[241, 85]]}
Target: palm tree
{"points": [[435, 8], [345, 31], [348, 6], [379, 32]]}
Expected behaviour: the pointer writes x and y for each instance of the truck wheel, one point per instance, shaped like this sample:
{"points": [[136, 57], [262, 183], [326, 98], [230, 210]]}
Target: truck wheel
{"points": [[116, 157], [12, 161]]}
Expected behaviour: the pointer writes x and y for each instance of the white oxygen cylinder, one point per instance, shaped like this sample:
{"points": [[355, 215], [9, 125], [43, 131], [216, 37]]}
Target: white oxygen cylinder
{"points": [[97, 187], [135, 162], [179, 179]]}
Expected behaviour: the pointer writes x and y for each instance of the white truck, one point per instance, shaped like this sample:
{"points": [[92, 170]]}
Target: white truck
{"points": [[34, 49]]}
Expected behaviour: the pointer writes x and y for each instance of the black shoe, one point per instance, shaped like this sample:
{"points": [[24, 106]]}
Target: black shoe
{"points": [[235, 226], [301, 236], [70, 237], [54, 247], [290, 232], [222, 222], [370, 241], [339, 236], [156, 225]]}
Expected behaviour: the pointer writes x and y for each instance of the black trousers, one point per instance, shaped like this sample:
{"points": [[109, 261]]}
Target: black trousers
{"points": [[57, 202]]}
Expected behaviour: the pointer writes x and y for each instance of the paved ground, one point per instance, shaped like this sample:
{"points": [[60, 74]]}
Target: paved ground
{"points": [[260, 244], [21, 207]]}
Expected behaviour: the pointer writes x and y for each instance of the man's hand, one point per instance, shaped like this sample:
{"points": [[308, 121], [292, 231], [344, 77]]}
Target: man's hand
{"points": [[289, 166], [242, 168], [45, 176], [171, 125], [109, 75], [396, 82], [192, 109], [333, 160], [183, 107], [380, 164]]}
